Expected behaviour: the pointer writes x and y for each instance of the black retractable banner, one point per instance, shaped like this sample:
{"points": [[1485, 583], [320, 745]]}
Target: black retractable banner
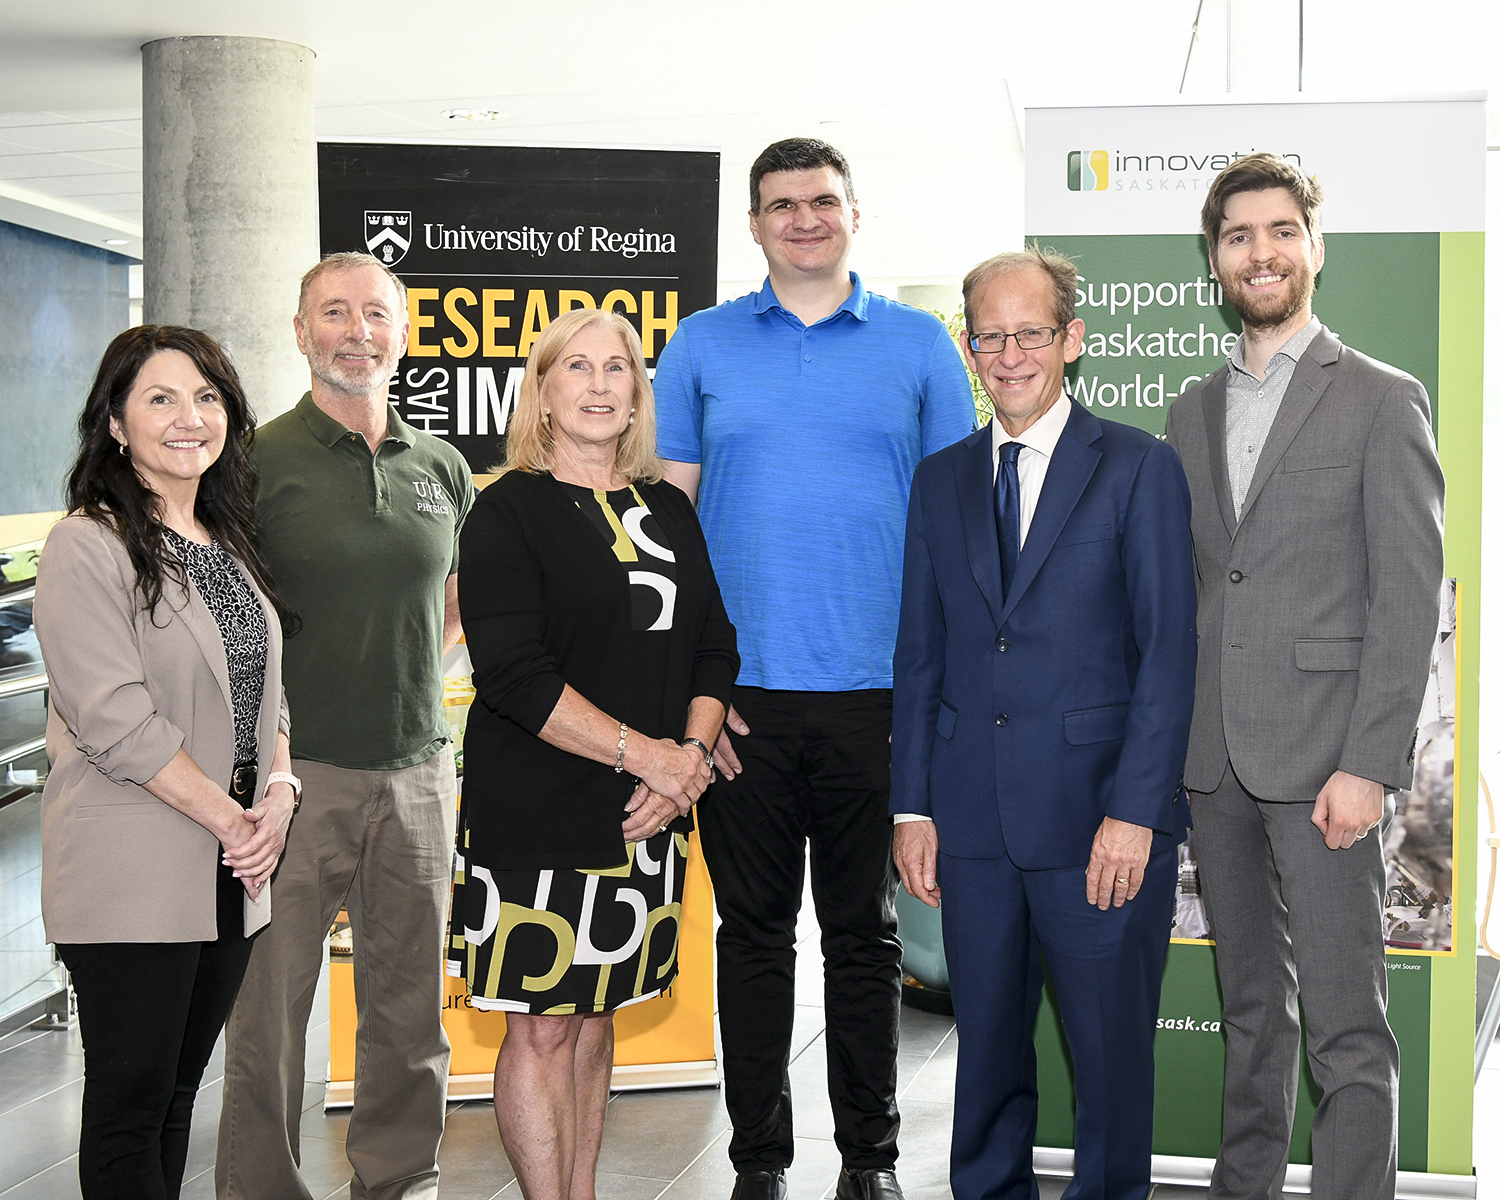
{"points": [[492, 242]]}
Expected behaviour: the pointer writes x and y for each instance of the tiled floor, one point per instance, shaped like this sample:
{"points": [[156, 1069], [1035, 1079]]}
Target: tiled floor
{"points": [[667, 1145], [26, 969], [656, 1144]]}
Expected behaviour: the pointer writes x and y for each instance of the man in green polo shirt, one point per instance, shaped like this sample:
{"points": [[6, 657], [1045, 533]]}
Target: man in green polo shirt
{"points": [[359, 517]]}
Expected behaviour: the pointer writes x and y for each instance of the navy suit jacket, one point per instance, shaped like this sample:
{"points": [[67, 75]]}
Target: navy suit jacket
{"points": [[1019, 725]]}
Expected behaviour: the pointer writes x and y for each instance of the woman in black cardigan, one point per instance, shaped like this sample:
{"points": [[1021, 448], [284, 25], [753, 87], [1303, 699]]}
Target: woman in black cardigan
{"points": [[603, 661]]}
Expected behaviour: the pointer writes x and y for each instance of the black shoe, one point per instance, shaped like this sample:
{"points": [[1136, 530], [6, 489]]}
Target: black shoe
{"points": [[760, 1185], [872, 1183]]}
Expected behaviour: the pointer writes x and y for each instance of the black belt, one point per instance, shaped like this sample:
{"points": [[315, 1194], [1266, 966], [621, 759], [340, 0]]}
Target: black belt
{"points": [[242, 783]]}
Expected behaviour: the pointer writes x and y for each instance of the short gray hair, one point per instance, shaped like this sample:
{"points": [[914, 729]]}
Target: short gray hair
{"points": [[343, 260]]}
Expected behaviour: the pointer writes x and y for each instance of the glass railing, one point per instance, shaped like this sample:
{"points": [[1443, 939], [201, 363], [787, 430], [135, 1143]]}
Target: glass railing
{"points": [[23, 678]]}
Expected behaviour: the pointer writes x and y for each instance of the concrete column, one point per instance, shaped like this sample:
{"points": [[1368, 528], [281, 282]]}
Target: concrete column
{"points": [[231, 199]]}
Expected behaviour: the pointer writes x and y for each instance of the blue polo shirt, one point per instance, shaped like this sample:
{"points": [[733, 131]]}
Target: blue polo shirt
{"points": [[808, 437]]}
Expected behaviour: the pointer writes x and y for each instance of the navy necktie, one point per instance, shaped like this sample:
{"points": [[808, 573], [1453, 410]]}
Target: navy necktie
{"points": [[1008, 513]]}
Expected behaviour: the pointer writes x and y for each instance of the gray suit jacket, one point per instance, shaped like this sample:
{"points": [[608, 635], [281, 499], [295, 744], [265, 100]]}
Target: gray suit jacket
{"points": [[127, 692], [1318, 608]]}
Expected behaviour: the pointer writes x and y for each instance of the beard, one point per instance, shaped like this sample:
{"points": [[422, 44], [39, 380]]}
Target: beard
{"points": [[1271, 311], [349, 378]]}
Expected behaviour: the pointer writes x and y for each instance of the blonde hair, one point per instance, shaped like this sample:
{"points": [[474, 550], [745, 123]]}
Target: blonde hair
{"points": [[528, 441]]}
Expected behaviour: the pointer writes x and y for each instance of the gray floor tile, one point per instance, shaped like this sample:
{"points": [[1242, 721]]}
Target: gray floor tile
{"points": [[711, 1177], [934, 1082], [807, 1025], [809, 981], [57, 1182], [657, 1135], [33, 1064], [198, 1187], [922, 1032], [331, 1126], [40, 1133], [20, 832], [625, 1187], [926, 1129], [813, 1114], [203, 1137], [471, 1158], [325, 1169]]}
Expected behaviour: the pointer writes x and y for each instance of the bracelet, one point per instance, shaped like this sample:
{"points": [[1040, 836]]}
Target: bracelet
{"points": [[708, 755], [291, 781], [620, 749]]}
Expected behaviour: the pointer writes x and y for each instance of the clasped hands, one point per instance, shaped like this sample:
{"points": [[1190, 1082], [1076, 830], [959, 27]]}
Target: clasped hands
{"points": [[254, 856], [672, 777]]}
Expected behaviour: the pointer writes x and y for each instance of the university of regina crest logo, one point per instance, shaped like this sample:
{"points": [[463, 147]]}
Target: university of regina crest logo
{"points": [[388, 235]]}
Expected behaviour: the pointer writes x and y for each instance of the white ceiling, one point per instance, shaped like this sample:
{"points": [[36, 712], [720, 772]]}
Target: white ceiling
{"points": [[922, 97]]}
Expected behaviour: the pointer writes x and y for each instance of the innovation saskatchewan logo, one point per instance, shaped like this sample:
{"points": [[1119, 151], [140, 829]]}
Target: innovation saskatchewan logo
{"points": [[1088, 170]]}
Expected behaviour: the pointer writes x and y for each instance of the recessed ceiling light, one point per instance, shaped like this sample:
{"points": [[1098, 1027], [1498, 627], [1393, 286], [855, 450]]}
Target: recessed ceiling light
{"points": [[116, 242], [472, 114]]}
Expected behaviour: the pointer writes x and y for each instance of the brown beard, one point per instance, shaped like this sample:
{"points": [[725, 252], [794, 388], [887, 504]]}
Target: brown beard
{"points": [[1257, 312]]}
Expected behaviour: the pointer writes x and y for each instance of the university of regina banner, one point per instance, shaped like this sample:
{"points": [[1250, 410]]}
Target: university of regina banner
{"points": [[492, 243], [1119, 190]]}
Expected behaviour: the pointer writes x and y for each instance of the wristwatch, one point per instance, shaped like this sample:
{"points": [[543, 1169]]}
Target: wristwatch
{"points": [[288, 778], [708, 755]]}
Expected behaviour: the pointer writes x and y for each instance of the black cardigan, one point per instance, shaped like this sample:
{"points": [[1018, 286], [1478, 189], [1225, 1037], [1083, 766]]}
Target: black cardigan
{"points": [[544, 602]]}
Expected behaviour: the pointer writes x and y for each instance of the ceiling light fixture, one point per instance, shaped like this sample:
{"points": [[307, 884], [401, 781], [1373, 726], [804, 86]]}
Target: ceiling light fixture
{"points": [[472, 114]]}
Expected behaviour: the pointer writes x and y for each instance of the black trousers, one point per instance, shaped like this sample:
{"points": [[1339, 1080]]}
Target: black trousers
{"points": [[816, 773], [149, 1014]]}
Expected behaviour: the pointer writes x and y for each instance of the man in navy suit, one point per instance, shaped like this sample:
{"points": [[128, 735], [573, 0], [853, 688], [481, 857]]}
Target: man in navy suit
{"points": [[1043, 694]]}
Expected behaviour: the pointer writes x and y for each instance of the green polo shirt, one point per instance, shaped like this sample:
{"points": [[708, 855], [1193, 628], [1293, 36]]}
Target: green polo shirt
{"points": [[361, 545]]}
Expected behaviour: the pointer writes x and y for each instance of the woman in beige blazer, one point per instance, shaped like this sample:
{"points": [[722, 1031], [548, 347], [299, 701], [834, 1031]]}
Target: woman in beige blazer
{"points": [[167, 732]]}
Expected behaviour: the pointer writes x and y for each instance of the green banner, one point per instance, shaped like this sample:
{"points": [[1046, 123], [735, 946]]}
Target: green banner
{"points": [[1397, 288]]}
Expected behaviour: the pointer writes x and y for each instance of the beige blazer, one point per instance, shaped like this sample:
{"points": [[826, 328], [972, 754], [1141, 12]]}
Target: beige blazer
{"points": [[127, 692]]}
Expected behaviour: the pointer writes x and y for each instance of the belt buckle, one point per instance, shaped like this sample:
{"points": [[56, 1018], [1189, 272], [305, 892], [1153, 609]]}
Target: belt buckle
{"points": [[242, 779]]}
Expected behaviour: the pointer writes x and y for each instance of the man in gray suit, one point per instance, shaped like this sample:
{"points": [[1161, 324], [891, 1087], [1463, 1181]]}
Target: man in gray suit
{"points": [[1317, 528]]}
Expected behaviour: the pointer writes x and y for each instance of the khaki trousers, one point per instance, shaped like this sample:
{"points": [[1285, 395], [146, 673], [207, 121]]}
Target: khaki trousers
{"points": [[381, 844]]}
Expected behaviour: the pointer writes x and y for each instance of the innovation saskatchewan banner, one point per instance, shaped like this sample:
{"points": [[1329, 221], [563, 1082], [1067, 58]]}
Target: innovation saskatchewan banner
{"points": [[1119, 190], [492, 243]]}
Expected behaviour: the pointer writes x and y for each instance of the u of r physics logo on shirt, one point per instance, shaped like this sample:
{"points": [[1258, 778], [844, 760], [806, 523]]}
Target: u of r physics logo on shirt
{"points": [[431, 498]]}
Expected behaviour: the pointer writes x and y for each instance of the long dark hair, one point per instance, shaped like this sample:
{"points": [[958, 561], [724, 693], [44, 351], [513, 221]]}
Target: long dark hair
{"points": [[104, 486]]}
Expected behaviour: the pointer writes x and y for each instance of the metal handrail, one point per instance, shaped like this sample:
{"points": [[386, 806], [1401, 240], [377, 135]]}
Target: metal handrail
{"points": [[21, 749], [22, 684]]}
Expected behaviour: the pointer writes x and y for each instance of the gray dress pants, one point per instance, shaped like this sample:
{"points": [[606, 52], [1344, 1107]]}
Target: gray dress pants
{"points": [[1294, 920], [381, 844]]}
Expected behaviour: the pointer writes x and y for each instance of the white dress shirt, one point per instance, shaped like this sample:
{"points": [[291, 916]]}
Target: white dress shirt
{"points": [[1038, 441]]}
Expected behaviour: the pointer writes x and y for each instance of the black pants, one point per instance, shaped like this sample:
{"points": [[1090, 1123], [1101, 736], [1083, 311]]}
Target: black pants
{"points": [[817, 771], [149, 1014]]}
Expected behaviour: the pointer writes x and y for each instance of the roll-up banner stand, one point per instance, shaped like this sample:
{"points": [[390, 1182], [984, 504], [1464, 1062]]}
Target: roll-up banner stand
{"points": [[492, 243], [1119, 190]]}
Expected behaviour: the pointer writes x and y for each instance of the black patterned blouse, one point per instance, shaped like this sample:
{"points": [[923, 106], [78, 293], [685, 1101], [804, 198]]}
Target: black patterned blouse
{"points": [[242, 626]]}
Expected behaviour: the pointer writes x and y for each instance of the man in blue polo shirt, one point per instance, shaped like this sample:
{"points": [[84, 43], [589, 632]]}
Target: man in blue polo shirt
{"points": [[796, 416]]}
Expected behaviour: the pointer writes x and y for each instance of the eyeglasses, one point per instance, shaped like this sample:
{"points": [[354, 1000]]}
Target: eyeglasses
{"points": [[1027, 339]]}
